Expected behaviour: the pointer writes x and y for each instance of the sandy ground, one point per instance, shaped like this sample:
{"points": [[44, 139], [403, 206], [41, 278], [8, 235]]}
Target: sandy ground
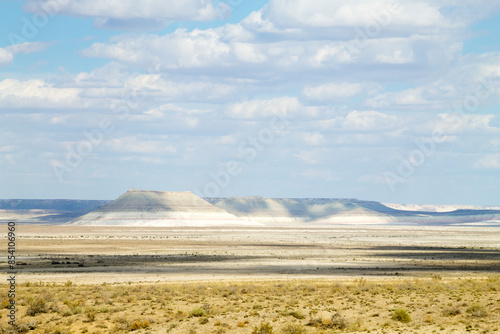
{"points": [[300, 279], [87, 254]]}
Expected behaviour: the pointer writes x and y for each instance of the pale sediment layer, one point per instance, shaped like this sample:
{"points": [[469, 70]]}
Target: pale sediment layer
{"points": [[160, 208]]}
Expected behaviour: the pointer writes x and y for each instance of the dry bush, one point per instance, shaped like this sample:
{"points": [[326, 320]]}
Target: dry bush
{"points": [[263, 328], [90, 316], [477, 311], [197, 312], [6, 303], [297, 314], [401, 315], [293, 329], [339, 321], [26, 327], [36, 306], [242, 323], [139, 324], [135, 325], [451, 311]]}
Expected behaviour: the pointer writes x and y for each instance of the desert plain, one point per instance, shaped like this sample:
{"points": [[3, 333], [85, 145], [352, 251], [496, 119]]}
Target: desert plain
{"points": [[266, 279]]}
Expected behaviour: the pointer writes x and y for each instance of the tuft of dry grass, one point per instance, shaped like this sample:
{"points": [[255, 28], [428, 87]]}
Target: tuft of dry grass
{"points": [[477, 311], [37, 306], [197, 312], [293, 329], [401, 315], [263, 328], [451, 311]]}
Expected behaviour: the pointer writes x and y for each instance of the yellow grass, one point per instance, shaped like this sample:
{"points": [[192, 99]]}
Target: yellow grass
{"points": [[434, 305]]}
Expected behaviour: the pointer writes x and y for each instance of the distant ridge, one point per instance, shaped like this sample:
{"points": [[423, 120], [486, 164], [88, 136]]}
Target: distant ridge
{"points": [[160, 208], [315, 210], [346, 211], [41, 211], [51, 204]]}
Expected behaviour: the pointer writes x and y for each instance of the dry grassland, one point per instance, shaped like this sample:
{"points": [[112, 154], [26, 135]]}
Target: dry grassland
{"points": [[257, 281], [425, 305]]}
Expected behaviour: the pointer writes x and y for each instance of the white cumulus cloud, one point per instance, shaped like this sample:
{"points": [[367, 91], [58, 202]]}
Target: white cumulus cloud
{"points": [[368, 121], [142, 144], [463, 124], [491, 161], [36, 93], [264, 108], [337, 90], [7, 53], [129, 14]]}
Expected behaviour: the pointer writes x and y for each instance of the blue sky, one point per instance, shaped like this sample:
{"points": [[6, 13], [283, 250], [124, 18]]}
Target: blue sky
{"points": [[394, 101]]}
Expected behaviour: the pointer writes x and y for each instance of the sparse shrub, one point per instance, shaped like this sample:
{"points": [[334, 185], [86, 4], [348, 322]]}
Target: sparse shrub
{"points": [[138, 325], [451, 311], [26, 327], [315, 322], [263, 328], [208, 309], [477, 311], [361, 281], [90, 316], [58, 330], [336, 321], [339, 321], [197, 312], [293, 329], [241, 323], [6, 303], [36, 306], [135, 325], [325, 322], [401, 315], [120, 323], [355, 325], [297, 314], [179, 314]]}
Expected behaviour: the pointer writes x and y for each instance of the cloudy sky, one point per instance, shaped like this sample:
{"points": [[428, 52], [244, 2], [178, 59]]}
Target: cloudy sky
{"points": [[394, 101]]}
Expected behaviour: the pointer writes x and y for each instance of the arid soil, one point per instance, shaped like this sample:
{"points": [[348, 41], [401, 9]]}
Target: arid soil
{"points": [[56, 253], [333, 279]]}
